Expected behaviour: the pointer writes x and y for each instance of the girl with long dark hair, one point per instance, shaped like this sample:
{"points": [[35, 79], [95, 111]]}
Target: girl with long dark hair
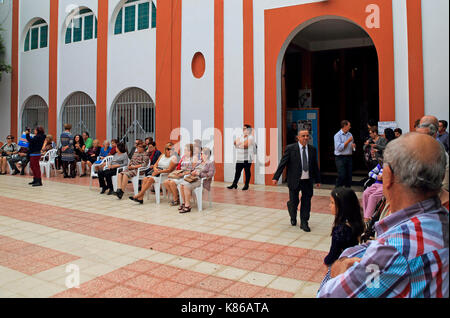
{"points": [[347, 227]]}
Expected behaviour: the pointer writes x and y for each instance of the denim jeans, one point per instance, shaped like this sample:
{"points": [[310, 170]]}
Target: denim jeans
{"points": [[344, 169]]}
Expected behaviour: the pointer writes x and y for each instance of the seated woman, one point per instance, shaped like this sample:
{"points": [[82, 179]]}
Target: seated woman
{"points": [[206, 169], [80, 149], [165, 164], [92, 154], [48, 145], [185, 167], [373, 194], [140, 159], [348, 225], [104, 152], [105, 174], [6, 152]]}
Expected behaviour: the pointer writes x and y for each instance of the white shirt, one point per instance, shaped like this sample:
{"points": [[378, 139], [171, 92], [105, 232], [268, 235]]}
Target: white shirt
{"points": [[244, 154], [305, 174]]}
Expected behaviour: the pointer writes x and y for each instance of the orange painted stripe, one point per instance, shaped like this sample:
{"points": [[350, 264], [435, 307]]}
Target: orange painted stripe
{"points": [[219, 88], [15, 68], [279, 23], [415, 61], [249, 92], [53, 70], [163, 99], [102, 70], [176, 64], [168, 69]]}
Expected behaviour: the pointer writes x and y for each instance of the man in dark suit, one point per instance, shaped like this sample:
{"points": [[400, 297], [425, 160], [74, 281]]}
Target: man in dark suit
{"points": [[302, 171]]}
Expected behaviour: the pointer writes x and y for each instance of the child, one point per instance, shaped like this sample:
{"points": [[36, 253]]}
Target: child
{"points": [[373, 194], [348, 225]]}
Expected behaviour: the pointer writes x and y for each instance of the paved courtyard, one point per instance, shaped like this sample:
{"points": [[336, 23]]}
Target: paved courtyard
{"points": [[243, 245]]}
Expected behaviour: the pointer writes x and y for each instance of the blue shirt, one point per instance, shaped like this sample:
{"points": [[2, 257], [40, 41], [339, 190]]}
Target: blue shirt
{"points": [[339, 140]]}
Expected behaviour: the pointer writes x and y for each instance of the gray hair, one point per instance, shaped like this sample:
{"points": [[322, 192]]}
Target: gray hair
{"points": [[432, 128], [207, 151], [419, 175]]}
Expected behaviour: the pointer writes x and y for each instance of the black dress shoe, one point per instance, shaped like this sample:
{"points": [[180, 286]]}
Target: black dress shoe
{"points": [[233, 186], [103, 190], [111, 192], [119, 194], [293, 222], [305, 227], [32, 182], [245, 187]]}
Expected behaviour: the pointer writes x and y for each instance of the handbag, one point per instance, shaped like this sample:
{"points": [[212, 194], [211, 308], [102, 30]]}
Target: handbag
{"points": [[191, 178], [177, 174]]}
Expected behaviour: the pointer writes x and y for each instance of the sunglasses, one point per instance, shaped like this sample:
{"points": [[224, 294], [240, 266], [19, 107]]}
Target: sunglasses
{"points": [[9, 138]]}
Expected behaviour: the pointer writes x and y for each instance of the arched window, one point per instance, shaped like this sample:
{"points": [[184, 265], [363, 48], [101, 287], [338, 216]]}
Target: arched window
{"points": [[133, 116], [35, 113], [82, 27], [135, 16], [79, 111], [37, 36]]}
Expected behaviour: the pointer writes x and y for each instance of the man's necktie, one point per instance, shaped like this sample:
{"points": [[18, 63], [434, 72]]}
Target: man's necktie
{"points": [[305, 160]]}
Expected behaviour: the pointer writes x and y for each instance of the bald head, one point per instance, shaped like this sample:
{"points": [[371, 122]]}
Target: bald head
{"points": [[428, 125], [417, 161]]}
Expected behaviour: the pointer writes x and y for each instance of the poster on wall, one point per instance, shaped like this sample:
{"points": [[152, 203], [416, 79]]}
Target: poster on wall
{"points": [[382, 125], [305, 119], [305, 98]]}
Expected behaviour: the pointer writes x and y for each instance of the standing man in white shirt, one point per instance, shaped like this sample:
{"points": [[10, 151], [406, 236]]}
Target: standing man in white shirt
{"points": [[245, 155], [344, 147]]}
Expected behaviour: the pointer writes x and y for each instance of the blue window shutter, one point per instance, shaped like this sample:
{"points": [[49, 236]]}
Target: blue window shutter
{"points": [[118, 26], [27, 42], [44, 36], [153, 15], [144, 16]]}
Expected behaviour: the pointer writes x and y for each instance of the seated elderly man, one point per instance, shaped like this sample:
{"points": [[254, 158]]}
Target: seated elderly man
{"points": [[410, 255]]}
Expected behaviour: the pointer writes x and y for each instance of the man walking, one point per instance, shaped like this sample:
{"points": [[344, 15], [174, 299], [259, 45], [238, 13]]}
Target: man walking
{"points": [[343, 150], [302, 171]]}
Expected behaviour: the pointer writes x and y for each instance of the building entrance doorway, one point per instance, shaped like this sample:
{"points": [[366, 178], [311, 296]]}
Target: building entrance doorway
{"points": [[332, 65]]}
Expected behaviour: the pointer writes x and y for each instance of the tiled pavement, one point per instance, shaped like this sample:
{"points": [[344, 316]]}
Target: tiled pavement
{"points": [[242, 246]]}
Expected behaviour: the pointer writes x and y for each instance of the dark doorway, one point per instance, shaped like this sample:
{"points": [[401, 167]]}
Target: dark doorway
{"points": [[344, 83]]}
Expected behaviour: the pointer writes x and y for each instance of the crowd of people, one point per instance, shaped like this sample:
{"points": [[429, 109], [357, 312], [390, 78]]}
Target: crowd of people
{"points": [[408, 242], [194, 169]]}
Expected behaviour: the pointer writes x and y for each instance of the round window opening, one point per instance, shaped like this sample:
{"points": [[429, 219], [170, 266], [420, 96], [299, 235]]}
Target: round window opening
{"points": [[198, 65]]}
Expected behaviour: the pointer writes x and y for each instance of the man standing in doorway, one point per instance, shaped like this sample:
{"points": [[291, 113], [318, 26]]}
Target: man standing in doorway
{"points": [[302, 171], [343, 150]]}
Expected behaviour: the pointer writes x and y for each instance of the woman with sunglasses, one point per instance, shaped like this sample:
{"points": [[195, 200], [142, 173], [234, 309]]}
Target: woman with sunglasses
{"points": [[166, 163], [6, 152]]}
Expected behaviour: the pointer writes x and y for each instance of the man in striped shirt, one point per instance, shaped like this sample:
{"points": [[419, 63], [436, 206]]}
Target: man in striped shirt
{"points": [[410, 255]]}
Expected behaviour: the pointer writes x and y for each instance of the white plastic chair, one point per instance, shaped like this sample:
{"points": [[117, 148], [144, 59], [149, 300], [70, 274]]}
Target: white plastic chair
{"points": [[198, 195], [119, 170], [157, 185], [94, 173], [48, 162], [135, 180]]}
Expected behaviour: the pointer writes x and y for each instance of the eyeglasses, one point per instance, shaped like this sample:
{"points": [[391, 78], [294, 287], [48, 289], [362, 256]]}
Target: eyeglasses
{"points": [[9, 138]]}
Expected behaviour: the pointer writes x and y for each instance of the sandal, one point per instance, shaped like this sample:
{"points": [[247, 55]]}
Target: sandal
{"points": [[175, 203], [181, 207], [186, 209]]}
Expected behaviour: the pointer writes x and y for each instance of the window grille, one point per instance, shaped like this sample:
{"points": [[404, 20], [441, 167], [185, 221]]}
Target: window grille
{"points": [[79, 111], [133, 116], [35, 113]]}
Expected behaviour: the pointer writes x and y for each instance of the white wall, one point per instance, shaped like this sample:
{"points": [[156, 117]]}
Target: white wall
{"points": [[34, 64], [197, 95], [435, 33], [233, 79], [77, 62], [401, 70], [5, 83], [131, 60]]}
